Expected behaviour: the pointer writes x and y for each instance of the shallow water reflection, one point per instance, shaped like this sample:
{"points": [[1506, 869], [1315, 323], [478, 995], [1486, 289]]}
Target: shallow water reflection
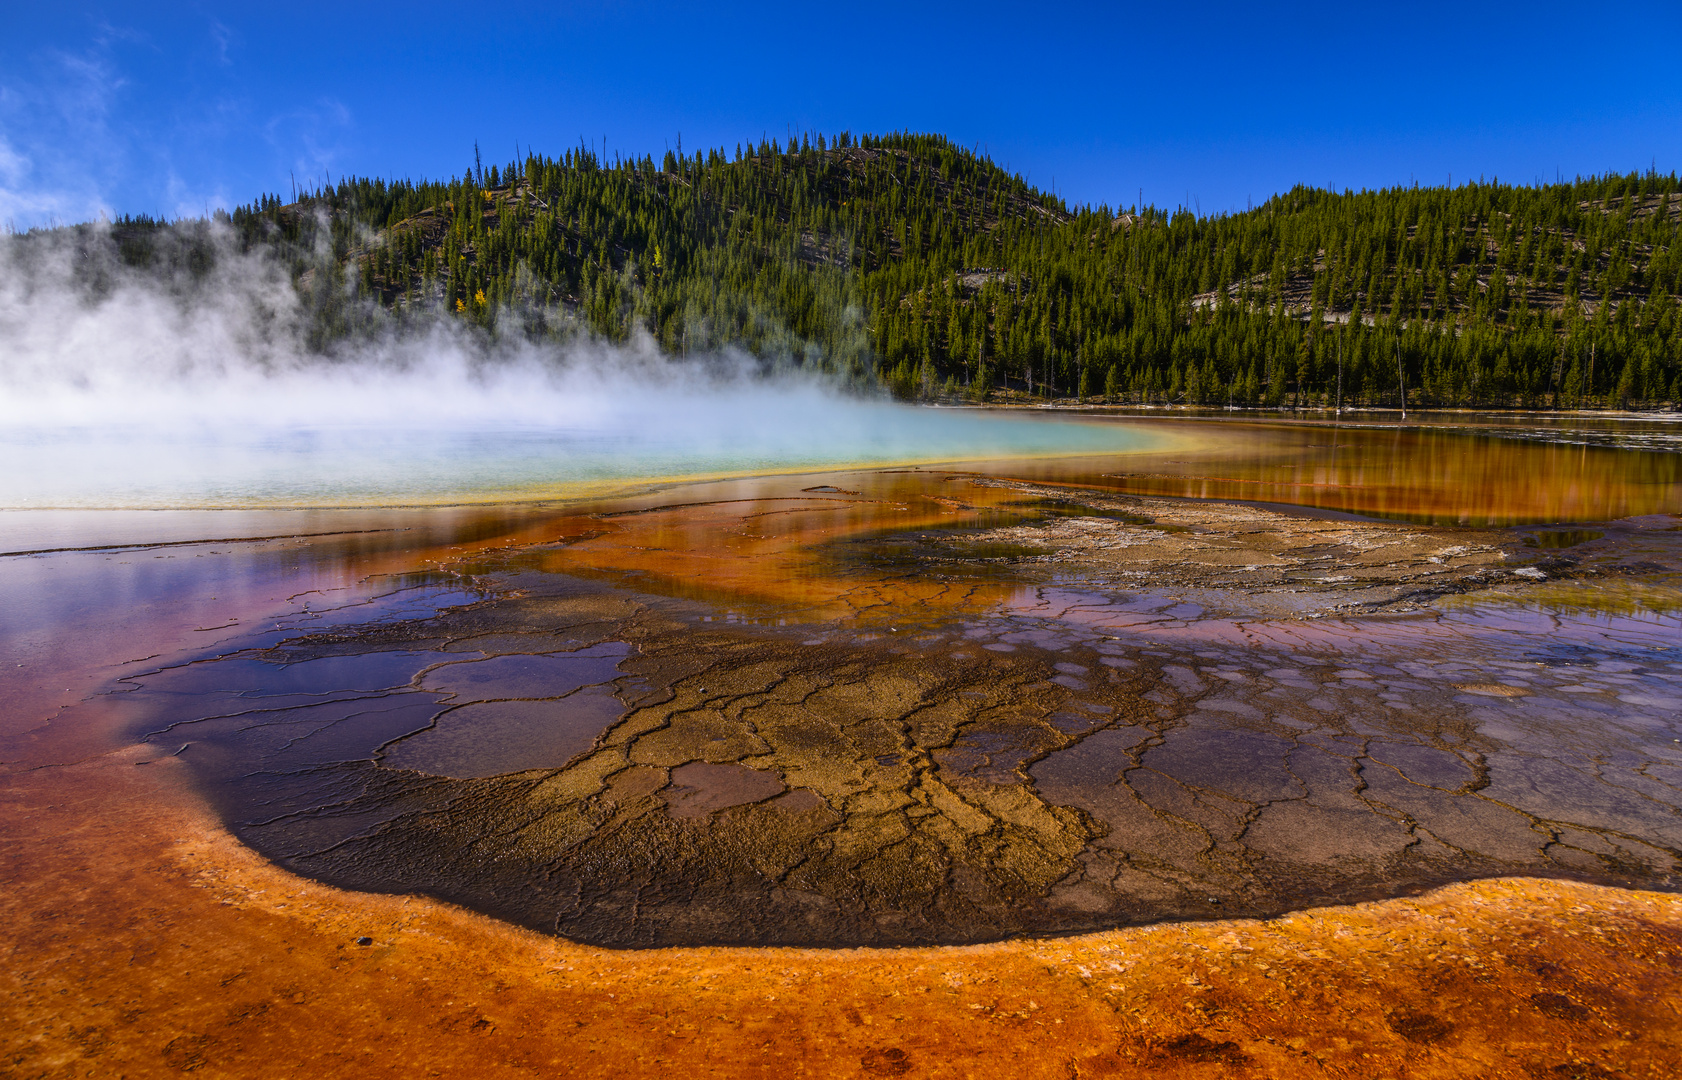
{"points": [[930, 705], [1446, 476]]}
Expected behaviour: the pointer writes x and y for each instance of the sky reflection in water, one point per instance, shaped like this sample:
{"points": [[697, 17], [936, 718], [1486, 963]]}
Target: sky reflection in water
{"points": [[1253, 707]]}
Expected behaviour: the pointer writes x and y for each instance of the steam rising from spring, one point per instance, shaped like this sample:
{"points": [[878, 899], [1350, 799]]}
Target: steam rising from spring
{"points": [[189, 382]]}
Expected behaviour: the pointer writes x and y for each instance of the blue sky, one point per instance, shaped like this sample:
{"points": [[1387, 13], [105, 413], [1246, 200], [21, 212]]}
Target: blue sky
{"points": [[175, 109]]}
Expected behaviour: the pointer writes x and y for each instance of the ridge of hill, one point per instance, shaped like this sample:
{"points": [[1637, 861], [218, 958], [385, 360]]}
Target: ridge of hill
{"points": [[912, 260]]}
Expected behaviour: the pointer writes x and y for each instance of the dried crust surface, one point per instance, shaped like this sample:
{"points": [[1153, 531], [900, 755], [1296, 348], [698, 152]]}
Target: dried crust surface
{"points": [[1048, 738], [142, 940], [1163, 710]]}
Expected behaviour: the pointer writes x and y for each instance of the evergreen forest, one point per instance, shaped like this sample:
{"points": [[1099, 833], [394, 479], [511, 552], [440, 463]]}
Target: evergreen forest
{"points": [[908, 261]]}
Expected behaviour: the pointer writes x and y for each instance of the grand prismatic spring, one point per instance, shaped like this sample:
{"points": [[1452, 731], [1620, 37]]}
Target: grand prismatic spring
{"points": [[1044, 745]]}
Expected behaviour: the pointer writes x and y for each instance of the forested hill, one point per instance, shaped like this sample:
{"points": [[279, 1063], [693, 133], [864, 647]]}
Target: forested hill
{"points": [[910, 259]]}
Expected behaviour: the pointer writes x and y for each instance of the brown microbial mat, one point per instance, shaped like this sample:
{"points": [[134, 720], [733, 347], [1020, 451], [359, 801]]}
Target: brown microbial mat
{"points": [[143, 941], [1259, 783], [915, 707]]}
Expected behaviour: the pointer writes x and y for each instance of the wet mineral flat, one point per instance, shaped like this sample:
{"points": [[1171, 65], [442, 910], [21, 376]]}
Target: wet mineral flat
{"points": [[920, 707], [878, 706]]}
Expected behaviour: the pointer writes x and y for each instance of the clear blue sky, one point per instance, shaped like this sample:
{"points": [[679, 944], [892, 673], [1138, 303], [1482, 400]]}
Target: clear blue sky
{"points": [[174, 108]]}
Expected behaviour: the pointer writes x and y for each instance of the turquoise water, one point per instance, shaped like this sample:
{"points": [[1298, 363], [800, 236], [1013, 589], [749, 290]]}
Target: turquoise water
{"points": [[194, 463]]}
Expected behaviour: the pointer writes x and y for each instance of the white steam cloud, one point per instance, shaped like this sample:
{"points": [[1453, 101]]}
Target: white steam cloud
{"points": [[154, 389]]}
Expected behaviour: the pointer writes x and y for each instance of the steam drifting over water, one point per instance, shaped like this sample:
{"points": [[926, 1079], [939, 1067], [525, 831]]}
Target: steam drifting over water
{"points": [[194, 387]]}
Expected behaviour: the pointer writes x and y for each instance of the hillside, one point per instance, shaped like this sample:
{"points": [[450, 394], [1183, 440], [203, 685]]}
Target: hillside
{"points": [[909, 259]]}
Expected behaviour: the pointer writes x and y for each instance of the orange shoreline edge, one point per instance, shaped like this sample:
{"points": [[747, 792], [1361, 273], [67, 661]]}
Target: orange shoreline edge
{"points": [[142, 939]]}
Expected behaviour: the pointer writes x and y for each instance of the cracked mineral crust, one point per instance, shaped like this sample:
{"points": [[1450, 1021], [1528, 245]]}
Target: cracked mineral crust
{"points": [[963, 723]]}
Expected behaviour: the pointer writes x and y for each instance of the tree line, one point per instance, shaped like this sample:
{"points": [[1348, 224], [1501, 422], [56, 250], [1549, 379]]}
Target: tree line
{"points": [[908, 260]]}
